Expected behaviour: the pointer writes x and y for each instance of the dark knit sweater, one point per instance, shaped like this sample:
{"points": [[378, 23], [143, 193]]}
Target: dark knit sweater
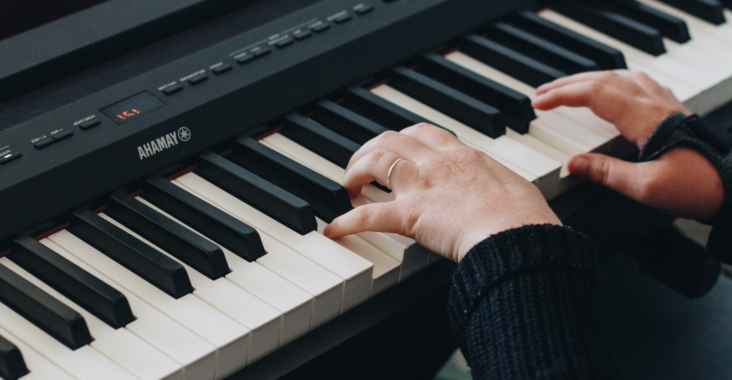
{"points": [[523, 302], [523, 306]]}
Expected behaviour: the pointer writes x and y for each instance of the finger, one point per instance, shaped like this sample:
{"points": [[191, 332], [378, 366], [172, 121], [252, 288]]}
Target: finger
{"points": [[376, 217], [375, 167], [408, 147], [432, 136], [626, 178], [610, 78], [605, 101]]}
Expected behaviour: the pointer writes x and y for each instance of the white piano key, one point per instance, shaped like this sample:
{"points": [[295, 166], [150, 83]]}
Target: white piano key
{"points": [[386, 269], [196, 355], [550, 127], [39, 368], [261, 319], [529, 160], [716, 95], [685, 81], [459, 128], [304, 156], [120, 345], [297, 306], [230, 338], [697, 27], [405, 250], [84, 363], [356, 271]]}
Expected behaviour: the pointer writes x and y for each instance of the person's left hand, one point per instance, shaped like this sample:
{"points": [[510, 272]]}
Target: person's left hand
{"points": [[449, 196]]}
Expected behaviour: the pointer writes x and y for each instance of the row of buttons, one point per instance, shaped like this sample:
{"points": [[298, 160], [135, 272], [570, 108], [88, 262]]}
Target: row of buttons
{"points": [[261, 51], [66, 134], [53, 139]]}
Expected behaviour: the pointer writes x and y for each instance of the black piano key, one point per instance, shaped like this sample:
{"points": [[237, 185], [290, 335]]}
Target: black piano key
{"points": [[449, 101], [727, 3], [258, 192], [511, 62], [381, 111], [158, 269], [328, 199], [709, 10], [12, 365], [540, 49], [346, 122], [321, 140], [514, 106], [44, 311], [606, 57], [205, 218], [189, 247], [670, 26], [87, 291], [614, 24]]}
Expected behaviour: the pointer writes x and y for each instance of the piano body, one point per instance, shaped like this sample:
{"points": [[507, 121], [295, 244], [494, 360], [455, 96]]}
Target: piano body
{"points": [[166, 170]]}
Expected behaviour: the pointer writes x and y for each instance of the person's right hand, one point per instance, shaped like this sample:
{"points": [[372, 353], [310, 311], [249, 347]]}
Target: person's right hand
{"points": [[681, 182]]}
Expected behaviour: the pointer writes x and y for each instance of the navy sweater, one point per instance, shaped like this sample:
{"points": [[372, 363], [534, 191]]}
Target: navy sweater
{"points": [[523, 303], [523, 306]]}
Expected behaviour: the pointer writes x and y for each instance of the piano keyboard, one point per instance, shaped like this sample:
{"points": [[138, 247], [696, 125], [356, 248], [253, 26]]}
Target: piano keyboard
{"points": [[198, 275]]}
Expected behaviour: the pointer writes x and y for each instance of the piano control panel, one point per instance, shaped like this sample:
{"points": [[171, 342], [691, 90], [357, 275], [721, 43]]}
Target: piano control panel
{"points": [[215, 94]]}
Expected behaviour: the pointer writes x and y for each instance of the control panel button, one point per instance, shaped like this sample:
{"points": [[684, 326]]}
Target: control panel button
{"points": [[363, 9], [9, 157], [285, 43], [321, 27], [173, 89], [246, 58], [262, 52], [343, 18], [63, 135], [303, 34], [90, 124], [198, 79], [222, 69], [44, 143]]}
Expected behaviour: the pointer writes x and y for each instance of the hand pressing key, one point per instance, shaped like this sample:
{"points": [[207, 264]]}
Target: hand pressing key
{"points": [[449, 197], [681, 182]]}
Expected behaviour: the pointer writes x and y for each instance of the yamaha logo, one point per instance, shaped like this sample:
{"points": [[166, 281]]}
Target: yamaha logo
{"points": [[162, 143], [184, 134]]}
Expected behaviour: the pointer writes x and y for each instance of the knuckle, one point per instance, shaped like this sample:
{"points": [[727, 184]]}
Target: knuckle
{"points": [[375, 156], [388, 136], [422, 126], [363, 214], [597, 86], [607, 76]]}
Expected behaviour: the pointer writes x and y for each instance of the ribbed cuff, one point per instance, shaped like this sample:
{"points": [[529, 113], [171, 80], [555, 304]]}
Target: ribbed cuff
{"points": [[524, 306], [529, 248], [678, 130]]}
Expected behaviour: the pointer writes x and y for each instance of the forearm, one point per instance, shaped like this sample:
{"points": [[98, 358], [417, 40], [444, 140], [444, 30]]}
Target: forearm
{"points": [[523, 306], [714, 144]]}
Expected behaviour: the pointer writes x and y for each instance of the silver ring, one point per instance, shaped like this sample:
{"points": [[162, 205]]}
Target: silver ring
{"points": [[391, 169]]}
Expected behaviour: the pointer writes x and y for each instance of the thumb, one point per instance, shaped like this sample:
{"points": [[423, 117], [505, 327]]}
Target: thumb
{"points": [[626, 178]]}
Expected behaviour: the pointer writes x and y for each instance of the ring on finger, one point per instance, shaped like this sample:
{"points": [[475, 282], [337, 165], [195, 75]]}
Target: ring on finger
{"points": [[391, 169]]}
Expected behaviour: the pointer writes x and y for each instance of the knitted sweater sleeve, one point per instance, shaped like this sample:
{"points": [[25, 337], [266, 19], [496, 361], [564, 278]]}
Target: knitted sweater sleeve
{"points": [[713, 143], [523, 306]]}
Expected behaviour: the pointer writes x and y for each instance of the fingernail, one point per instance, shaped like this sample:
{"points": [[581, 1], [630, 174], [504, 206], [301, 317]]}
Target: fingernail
{"points": [[538, 99], [579, 166], [326, 231]]}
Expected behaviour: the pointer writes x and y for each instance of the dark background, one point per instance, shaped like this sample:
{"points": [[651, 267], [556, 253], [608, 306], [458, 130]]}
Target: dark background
{"points": [[17, 16]]}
